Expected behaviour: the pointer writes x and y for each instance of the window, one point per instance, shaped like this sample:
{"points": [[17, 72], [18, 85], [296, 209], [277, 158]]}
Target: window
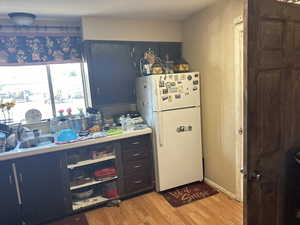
{"points": [[48, 88]]}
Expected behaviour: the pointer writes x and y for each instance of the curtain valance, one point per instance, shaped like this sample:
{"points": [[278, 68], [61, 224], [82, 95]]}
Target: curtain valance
{"points": [[39, 44], [39, 49]]}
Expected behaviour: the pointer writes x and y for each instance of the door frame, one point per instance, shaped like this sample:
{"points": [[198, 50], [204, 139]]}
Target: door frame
{"points": [[239, 105]]}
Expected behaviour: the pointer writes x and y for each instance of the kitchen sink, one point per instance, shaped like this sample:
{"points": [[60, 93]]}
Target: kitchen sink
{"points": [[37, 142]]}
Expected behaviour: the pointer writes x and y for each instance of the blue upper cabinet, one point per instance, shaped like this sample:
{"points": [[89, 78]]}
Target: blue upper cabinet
{"points": [[113, 67]]}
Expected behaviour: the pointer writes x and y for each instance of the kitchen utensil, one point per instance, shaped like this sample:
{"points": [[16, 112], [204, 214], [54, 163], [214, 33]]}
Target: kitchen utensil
{"points": [[33, 116], [83, 194], [107, 172], [66, 135], [114, 132], [5, 129], [110, 190], [2, 142]]}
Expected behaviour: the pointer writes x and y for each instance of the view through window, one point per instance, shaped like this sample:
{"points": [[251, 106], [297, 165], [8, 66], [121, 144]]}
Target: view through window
{"points": [[30, 88]]}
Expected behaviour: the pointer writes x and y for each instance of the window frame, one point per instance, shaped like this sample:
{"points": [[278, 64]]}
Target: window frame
{"points": [[51, 90]]}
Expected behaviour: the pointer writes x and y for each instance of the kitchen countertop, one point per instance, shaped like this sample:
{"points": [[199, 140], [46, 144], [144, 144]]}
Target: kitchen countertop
{"points": [[19, 153]]}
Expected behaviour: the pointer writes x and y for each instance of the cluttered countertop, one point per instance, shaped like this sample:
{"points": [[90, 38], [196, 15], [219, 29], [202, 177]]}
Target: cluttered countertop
{"points": [[66, 138]]}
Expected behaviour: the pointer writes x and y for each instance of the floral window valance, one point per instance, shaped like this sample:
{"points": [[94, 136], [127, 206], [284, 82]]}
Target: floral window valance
{"points": [[23, 49]]}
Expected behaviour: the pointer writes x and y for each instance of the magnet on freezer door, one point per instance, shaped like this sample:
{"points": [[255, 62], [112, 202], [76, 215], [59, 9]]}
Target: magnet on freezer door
{"points": [[178, 96], [164, 98]]}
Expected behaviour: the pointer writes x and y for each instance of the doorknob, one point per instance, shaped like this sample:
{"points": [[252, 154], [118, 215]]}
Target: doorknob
{"points": [[241, 131], [244, 172]]}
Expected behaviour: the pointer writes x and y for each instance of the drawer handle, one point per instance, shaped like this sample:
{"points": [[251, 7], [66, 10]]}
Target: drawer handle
{"points": [[135, 143], [137, 166], [138, 182], [136, 154]]}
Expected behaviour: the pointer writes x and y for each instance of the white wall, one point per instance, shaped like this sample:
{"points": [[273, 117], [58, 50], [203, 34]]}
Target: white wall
{"points": [[209, 46], [101, 28]]}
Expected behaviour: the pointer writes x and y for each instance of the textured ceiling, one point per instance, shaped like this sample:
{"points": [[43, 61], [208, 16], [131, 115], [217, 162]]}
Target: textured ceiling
{"points": [[135, 9]]}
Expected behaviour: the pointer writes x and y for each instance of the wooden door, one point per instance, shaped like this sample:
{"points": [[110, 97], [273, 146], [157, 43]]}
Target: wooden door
{"points": [[43, 188], [273, 109], [9, 205]]}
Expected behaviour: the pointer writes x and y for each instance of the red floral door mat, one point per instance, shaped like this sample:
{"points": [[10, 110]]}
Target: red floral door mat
{"points": [[188, 193], [79, 219]]}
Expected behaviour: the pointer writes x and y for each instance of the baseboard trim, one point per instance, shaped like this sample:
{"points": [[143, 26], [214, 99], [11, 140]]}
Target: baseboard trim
{"points": [[219, 188]]}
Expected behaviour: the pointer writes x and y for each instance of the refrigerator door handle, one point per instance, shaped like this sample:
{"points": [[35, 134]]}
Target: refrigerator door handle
{"points": [[160, 130]]}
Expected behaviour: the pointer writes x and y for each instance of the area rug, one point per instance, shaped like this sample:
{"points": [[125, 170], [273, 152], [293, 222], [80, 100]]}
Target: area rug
{"points": [[188, 193], [79, 219]]}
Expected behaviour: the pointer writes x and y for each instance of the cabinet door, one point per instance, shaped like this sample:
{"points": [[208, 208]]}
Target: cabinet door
{"points": [[43, 188], [9, 205], [111, 73]]}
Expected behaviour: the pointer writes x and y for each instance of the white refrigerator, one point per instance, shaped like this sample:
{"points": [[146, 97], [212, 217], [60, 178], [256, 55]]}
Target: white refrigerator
{"points": [[170, 104]]}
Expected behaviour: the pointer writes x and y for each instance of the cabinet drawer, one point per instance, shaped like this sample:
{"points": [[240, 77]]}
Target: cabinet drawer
{"points": [[135, 143], [137, 183], [134, 167], [135, 154]]}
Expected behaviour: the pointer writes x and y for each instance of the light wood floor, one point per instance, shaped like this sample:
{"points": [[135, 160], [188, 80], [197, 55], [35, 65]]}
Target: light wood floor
{"points": [[153, 209]]}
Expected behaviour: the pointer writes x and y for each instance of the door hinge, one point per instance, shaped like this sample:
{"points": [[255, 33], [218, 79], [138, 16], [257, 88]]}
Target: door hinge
{"points": [[241, 131]]}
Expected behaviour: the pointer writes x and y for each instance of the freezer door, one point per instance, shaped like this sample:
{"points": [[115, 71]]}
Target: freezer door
{"points": [[175, 91], [178, 148]]}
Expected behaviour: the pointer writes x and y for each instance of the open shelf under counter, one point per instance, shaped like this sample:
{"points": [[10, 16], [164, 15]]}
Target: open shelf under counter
{"points": [[93, 182], [90, 202], [91, 161]]}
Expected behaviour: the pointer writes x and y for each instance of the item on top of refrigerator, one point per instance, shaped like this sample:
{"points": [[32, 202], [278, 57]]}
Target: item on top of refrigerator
{"points": [[104, 173], [110, 190], [169, 65], [157, 68], [182, 66]]}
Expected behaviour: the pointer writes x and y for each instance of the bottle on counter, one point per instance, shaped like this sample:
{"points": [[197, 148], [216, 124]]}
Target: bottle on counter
{"points": [[129, 123]]}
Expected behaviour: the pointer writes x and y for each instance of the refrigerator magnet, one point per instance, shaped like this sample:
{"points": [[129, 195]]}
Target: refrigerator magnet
{"points": [[178, 96], [161, 83], [164, 98], [170, 98], [195, 88], [165, 91]]}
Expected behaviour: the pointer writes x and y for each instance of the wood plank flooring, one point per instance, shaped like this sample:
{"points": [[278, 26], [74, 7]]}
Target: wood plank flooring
{"points": [[153, 209]]}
